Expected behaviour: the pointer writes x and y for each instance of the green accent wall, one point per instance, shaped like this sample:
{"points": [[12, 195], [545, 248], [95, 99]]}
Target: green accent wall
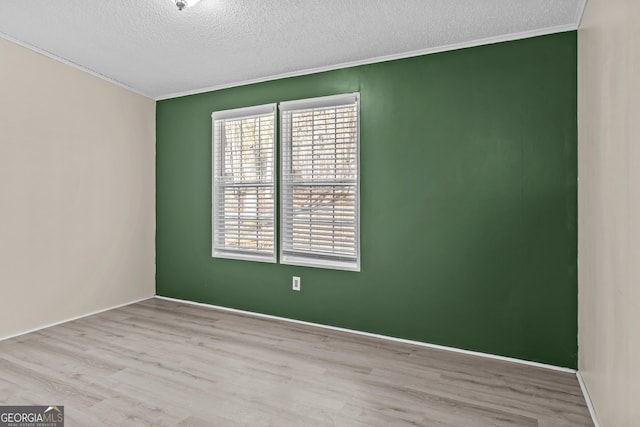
{"points": [[468, 202]]}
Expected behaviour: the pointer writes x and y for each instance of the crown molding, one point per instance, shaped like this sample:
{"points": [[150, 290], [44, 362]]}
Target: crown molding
{"points": [[72, 64], [386, 58]]}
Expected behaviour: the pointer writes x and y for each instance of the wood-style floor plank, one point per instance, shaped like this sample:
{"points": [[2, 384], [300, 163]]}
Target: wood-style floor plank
{"points": [[164, 363]]}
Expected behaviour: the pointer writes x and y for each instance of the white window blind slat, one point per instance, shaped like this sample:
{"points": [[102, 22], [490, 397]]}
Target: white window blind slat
{"points": [[243, 205], [320, 182]]}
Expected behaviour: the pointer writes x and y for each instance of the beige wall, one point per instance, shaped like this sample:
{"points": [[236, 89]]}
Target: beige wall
{"points": [[77, 193], [609, 209]]}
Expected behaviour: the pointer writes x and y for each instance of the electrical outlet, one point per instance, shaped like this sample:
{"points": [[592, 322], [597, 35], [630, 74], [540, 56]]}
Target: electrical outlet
{"points": [[296, 283]]}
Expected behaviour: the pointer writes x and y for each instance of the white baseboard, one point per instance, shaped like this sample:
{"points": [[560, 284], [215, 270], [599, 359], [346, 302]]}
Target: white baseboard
{"points": [[587, 399], [352, 331], [72, 319], [385, 337], [583, 387]]}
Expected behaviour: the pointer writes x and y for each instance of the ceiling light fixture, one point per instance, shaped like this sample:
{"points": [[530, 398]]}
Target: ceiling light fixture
{"points": [[185, 3]]}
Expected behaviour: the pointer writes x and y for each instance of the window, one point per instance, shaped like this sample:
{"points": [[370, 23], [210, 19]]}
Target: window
{"points": [[244, 183], [320, 182]]}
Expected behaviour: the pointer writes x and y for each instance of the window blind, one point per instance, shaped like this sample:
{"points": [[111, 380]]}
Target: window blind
{"points": [[244, 183], [320, 182]]}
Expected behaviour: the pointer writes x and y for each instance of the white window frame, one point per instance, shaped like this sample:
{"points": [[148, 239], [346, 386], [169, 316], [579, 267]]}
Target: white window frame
{"points": [[240, 113], [311, 261]]}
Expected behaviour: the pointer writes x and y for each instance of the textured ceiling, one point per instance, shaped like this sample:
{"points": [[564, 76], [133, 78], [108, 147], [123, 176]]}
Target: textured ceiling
{"points": [[152, 48]]}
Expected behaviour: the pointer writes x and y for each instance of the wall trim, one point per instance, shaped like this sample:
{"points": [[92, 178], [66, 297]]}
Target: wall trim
{"points": [[455, 46], [587, 398], [73, 318], [72, 64], [333, 328], [386, 58], [583, 387], [379, 336], [580, 13]]}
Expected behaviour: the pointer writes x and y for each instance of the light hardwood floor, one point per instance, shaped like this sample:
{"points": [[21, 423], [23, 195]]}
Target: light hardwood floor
{"points": [[163, 363]]}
